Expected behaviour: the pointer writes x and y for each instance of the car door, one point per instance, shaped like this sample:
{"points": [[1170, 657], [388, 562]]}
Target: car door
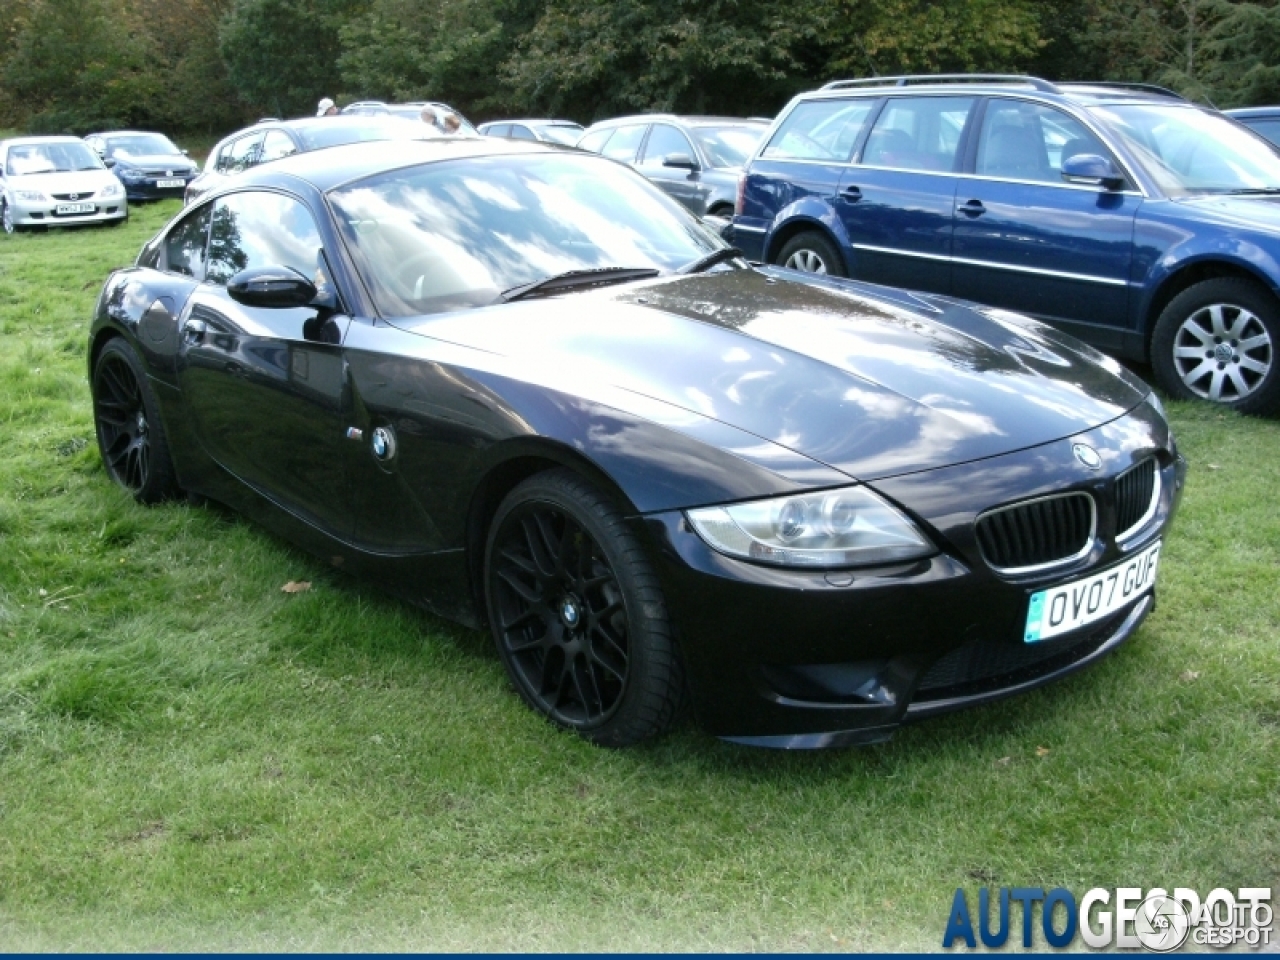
{"points": [[683, 183], [1024, 239], [897, 201], [267, 388]]}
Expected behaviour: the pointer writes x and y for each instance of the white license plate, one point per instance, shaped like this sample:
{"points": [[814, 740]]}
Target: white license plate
{"points": [[1082, 602], [165, 184], [64, 208]]}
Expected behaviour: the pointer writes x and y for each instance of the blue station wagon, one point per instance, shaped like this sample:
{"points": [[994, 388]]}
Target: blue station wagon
{"points": [[1144, 224]]}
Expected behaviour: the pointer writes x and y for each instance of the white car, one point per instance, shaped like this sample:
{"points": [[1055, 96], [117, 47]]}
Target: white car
{"points": [[56, 181]]}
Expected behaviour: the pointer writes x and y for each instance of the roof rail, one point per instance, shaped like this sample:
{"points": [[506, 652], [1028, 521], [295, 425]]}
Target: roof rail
{"points": [[1143, 87], [1042, 85]]}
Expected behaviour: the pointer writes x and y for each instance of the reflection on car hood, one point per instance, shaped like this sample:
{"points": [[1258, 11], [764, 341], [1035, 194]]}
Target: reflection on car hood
{"points": [[67, 181], [166, 161], [1256, 211], [870, 381]]}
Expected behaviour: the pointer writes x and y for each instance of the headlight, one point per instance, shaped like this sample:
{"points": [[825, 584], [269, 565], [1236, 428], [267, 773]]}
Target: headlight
{"points": [[835, 528], [110, 190], [131, 174], [34, 196]]}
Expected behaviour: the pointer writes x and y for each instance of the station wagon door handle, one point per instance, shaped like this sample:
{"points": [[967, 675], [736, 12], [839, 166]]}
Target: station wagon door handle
{"points": [[194, 330], [973, 208], [852, 194]]}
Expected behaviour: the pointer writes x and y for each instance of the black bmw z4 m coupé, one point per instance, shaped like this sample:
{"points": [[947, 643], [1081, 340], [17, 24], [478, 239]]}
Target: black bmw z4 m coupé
{"points": [[523, 387]]}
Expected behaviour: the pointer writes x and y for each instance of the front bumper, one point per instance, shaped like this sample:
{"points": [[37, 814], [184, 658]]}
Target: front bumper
{"points": [[796, 659], [148, 190], [27, 213]]}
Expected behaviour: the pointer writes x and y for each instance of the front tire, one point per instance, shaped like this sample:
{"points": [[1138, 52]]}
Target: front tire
{"points": [[6, 218], [811, 252], [577, 613], [131, 437], [1217, 341]]}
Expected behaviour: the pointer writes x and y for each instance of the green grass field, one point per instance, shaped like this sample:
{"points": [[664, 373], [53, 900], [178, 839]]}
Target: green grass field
{"points": [[190, 758]]}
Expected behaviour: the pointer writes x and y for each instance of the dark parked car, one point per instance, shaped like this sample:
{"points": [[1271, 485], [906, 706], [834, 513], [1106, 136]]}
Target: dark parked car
{"points": [[1137, 221], [522, 386], [1261, 120], [698, 160], [406, 111], [548, 131], [270, 140], [150, 165]]}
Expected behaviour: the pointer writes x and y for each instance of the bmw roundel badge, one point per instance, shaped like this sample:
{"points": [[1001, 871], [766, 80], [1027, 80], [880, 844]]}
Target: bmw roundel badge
{"points": [[1087, 455], [383, 443]]}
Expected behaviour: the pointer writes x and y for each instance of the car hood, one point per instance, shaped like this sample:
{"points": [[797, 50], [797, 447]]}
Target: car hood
{"points": [[870, 381], [159, 161], [1256, 212], [69, 181]]}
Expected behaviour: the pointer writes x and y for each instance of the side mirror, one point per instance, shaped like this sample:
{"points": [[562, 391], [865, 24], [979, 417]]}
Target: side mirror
{"points": [[1091, 169], [681, 161], [108, 162], [271, 287]]}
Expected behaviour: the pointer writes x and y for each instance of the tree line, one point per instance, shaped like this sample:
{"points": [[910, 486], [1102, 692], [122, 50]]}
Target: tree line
{"points": [[211, 65]]}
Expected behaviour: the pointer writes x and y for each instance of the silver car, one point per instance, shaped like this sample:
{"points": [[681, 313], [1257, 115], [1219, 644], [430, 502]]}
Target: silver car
{"points": [[55, 182]]}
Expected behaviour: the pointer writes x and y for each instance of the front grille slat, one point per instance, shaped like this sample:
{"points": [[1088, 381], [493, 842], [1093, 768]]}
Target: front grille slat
{"points": [[1136, 491], [1036, 533]]}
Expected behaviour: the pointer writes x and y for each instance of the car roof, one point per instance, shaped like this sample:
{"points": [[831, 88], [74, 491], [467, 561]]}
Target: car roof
{"points": [[1083, 92], [127, 133], [688, 121], [334, 166], [1253, 112]]}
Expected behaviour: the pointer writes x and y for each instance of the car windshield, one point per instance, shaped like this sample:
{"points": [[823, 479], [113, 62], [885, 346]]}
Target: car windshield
{"points": [[316, 136], [51, 158], [456, 234], [1188, 150], [566, 133], [140, 145], [729, 146]]}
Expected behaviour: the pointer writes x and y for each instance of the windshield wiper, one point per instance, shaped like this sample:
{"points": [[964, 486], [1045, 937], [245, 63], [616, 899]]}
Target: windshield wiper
{"points": [[578, 278], [711, 259]]}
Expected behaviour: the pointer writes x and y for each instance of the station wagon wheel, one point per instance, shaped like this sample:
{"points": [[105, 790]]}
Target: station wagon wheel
{"points": [[1217, 341], [131, 436], [577, 614], [811, 252], [6, 216]]}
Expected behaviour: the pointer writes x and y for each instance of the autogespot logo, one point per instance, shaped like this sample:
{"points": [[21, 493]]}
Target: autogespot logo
{"points": [[1155, 919]]}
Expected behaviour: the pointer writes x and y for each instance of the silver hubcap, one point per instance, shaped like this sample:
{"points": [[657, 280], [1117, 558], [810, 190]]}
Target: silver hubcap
{"points": [[806, 261], [8, 218], [1222, 352]]}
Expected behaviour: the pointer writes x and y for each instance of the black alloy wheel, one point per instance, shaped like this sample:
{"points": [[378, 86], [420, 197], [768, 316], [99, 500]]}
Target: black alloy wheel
{"points": [[577, 613], [130, 435], [811, 252], [1218, 341]]}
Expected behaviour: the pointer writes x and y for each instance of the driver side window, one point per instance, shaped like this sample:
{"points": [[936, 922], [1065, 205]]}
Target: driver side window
{"points": [[257, 228], [184, 247]]}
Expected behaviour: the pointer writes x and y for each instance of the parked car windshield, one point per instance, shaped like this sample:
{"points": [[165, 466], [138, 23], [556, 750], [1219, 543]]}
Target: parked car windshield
{"points": [[456, 234], [51, 158], [728, 146], [565, 133], [140, 145], [1188, 150], [316, 136]]}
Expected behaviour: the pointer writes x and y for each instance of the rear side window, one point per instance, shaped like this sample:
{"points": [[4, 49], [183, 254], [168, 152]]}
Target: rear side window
{"points": [[824, 130], [520, 132], [918, 133], [498, 130], [625, 143], [184, 247], [1026, 141], [261, 229], [276, 144], [239, 155], [595, 140]]}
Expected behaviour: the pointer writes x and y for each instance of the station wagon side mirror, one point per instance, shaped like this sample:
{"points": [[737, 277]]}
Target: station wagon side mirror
{"points": [[1093, 170], [271, 287], [108, 162], [681, 161]]}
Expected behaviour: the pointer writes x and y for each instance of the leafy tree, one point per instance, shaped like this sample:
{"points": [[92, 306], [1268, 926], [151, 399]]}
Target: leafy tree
{"points": [[1243, 50]]}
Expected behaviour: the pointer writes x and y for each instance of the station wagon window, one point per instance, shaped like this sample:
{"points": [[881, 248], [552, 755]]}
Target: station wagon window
{"points": [[184, 247], [824, 130], [665, 140], [595, 140], [261, 229], [1027, 141], [276, 144], [918, 133], [499, 130], [625, 142], [238, 156], [520, 132]]}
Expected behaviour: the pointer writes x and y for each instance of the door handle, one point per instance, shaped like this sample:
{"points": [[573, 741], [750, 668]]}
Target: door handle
{"points": [[973, 208], [851, 193], [195, 330]]}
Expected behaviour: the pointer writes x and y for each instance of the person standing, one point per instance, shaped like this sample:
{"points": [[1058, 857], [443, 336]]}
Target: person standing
{"points": [[326, 108]]}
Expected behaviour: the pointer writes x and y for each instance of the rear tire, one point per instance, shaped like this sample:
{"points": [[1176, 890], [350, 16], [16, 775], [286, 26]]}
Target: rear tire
{"points": [[577, 613], [1218, 341], [811, 252]]}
